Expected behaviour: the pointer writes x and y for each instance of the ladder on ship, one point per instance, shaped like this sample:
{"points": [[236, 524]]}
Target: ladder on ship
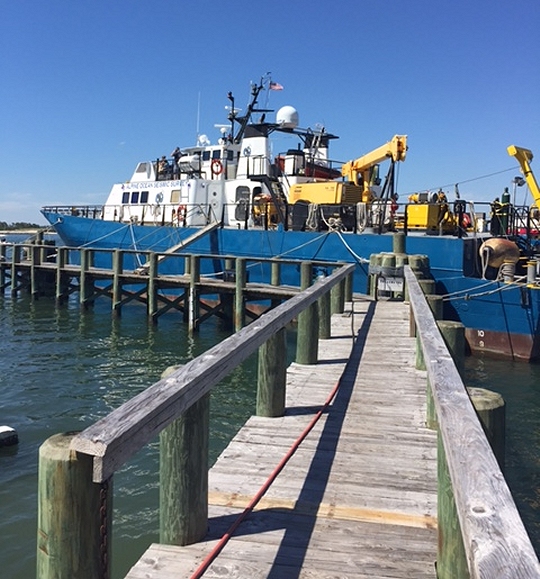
{"points": [[182, 245]]}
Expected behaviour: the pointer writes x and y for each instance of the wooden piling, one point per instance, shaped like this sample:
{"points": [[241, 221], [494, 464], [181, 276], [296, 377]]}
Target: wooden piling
{"points": [[194, 306], [307, 343], [451, 558], [453, 334], [272, 375], [325, 316], [85, 281], [239, 300], [74, 514], [152, 291], [35, 256], [491, 411], [15, 260], [275, 279], [399, 243], [3, 254], [62, 280], [183, 474], [337, 298], [118, 269]]}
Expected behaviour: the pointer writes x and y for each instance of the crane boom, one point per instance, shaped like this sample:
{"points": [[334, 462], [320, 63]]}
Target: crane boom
{"points": [[524, 158], [395, 149]]}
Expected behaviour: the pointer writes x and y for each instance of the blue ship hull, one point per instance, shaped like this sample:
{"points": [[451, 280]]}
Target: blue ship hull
{"points": [[499, 318]]}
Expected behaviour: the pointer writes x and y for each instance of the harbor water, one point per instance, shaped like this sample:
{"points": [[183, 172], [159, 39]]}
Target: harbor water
{"points": [[61, 369]]}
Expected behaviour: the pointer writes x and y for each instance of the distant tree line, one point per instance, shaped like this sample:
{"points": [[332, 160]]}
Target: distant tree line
{"points": [[4, 226]]}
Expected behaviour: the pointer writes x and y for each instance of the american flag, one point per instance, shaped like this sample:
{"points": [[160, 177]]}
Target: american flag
{"points": [[275, 86]]}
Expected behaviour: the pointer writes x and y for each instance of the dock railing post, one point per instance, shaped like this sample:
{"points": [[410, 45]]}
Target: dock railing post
{"points": [[275, 279], [74, 514], [307, 342], [183, 475], [272, 375]]}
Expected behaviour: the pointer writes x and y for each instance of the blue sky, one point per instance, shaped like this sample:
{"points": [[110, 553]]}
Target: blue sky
{"points": [[90, 88]]}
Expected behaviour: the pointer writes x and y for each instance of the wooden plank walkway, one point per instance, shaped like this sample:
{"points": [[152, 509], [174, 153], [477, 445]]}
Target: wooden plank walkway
{"points": [[358, 497]]}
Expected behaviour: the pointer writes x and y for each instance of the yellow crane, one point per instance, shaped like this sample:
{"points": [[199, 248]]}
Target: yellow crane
{"points": [[524, 158], [359, 171]]}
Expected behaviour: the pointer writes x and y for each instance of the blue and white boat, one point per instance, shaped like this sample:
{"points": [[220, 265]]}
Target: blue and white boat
{"points": [[244, 200]]}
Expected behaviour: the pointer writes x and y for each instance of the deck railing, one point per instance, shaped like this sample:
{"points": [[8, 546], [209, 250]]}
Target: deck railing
{"points": [[494, 542], [76, 469]]}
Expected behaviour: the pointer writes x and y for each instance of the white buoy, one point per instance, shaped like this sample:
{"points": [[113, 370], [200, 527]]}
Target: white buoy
{"points": [[8, 436]]}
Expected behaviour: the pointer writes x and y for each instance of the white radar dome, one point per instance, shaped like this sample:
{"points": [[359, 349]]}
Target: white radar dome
{"points": [[287, 117]]}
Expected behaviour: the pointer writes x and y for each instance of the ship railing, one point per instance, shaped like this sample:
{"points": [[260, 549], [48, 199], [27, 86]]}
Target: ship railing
{"points": [[481, 533], [89, 211], [76, 470]]}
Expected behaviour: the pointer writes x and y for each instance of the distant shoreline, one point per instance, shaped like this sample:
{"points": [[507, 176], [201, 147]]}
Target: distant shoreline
{"points": [[32, 231]]}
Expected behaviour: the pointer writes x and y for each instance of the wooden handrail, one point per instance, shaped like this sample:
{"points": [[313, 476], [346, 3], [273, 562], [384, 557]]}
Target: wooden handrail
{"points": [[116, 437], [494, 537]]}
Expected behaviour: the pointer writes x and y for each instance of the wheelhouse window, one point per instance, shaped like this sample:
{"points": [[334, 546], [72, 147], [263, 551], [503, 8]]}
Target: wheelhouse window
{"points": [[206, 156], [216, 154], [135, 197], [125, 197], [144, 196], [141, 168], [230, 155]]}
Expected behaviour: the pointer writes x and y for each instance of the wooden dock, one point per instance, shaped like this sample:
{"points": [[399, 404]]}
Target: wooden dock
{"points": [[358, 498]]}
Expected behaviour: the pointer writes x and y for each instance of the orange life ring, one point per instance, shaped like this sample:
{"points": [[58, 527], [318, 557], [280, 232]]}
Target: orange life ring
{"points": [[181, 213], [217, 167]]}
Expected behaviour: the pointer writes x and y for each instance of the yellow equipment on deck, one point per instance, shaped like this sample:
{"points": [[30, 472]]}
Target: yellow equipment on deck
{"points": [[361, 175], [326, 192]]}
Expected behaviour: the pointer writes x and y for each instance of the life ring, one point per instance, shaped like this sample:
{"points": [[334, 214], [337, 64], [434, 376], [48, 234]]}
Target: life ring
{"points": [[217, 167], [181, 213]]}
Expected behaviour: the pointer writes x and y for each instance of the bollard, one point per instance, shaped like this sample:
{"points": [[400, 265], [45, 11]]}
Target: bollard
{"points": [[183, 474], [74, 514]]}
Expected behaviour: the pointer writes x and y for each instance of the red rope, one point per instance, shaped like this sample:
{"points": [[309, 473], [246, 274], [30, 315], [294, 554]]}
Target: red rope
{"points": [[209, 559]]}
